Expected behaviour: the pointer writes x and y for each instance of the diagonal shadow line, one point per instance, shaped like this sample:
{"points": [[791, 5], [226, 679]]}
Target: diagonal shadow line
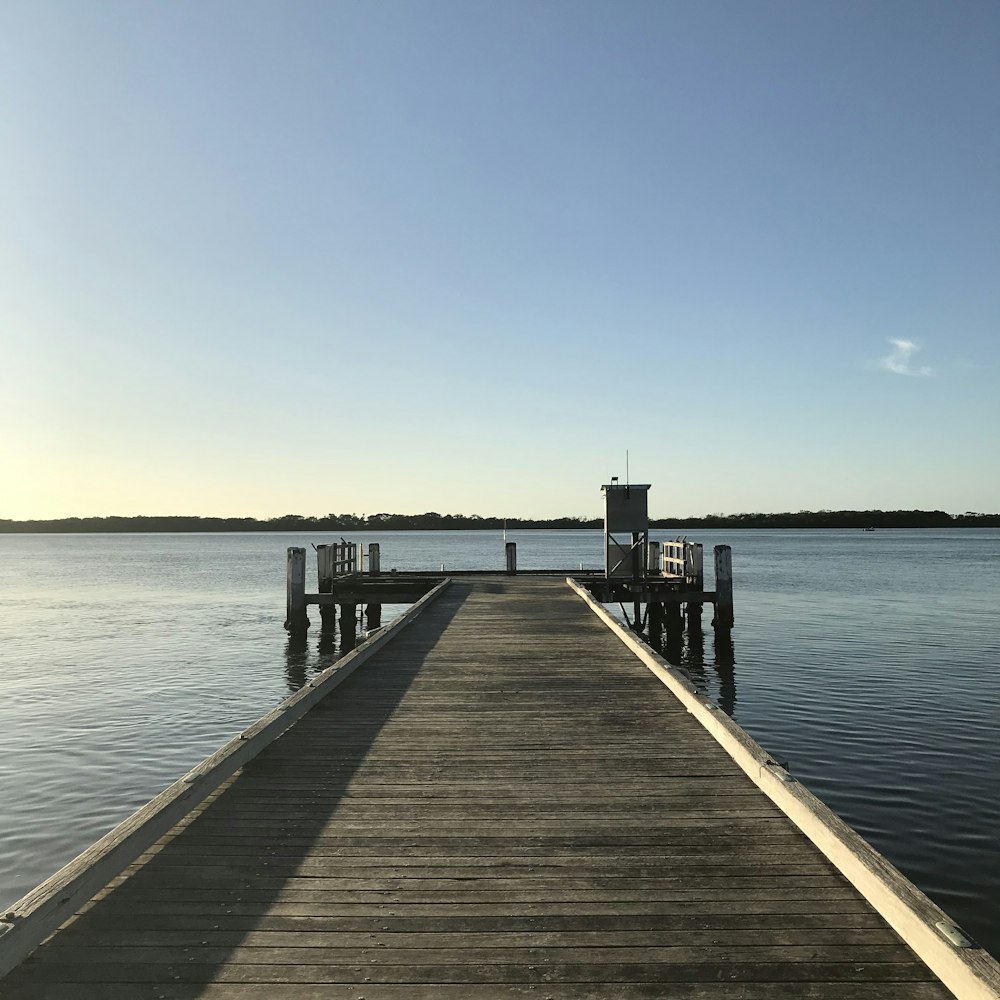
{"points": [[174, 920]]}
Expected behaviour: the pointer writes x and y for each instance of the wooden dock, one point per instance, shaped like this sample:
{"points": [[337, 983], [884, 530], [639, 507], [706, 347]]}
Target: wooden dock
{"points": [[502, 801]]}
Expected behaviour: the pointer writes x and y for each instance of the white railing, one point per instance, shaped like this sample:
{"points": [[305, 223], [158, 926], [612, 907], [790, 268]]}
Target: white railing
{"points": [[339, 559], [683, 560]]}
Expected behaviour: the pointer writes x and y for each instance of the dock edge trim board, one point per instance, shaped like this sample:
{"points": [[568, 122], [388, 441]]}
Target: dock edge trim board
{"points": [[970, 972], [26, 924]]}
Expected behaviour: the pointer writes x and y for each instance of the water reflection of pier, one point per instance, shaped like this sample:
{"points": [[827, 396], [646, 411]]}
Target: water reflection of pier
{"points": [[338, 635], [305, 657], [684, 647]]}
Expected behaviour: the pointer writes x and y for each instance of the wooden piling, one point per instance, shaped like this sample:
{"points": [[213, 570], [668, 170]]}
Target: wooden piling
{"points": [[723, 587], [325, 555], [638, 553], [672, 636], [673, 622], [694, 564], [373, 612], [296, 618], [653, 559], [348, 627], [511, 557], [694, 573], [324, 569], [654, 624]]}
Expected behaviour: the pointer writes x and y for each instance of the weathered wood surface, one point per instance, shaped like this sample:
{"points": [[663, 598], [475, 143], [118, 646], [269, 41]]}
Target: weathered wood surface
{"points": [[502, 803], [325, 556], [296, 618], [969, 971], [723, 586]]}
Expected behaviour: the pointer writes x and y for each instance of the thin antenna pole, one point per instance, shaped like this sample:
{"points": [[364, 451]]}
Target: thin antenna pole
{"points": [[626, 467]]}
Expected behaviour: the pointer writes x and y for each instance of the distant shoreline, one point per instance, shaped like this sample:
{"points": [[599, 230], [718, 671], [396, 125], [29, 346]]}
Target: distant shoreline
{"points": [[461, 522]]}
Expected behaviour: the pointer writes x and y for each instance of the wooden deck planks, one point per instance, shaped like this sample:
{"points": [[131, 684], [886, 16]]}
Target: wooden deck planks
{"points": [[502, 802]]}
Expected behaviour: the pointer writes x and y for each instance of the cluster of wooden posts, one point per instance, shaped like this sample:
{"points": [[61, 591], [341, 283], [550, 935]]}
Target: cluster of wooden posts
{"points": [[667, 578], [685, 561], [337, 559]]}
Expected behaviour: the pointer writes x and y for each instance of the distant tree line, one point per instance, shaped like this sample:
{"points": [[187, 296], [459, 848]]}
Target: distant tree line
{"points": [[838, 519], [432, 521]]}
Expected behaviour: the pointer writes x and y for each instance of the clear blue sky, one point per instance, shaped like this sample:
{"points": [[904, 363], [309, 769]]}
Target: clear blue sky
{"points": [[313, 257]]}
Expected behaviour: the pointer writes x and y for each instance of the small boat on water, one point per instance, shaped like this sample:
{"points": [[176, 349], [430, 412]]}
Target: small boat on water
{"points": [[868, 529]]}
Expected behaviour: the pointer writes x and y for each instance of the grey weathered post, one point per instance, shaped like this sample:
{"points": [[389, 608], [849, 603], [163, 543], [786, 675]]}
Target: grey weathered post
{"points": [[325, 554], [511, 557], [723, 586], [373, 613], [324, 568], [694, 572], [653, 559], [296, 619], [694, 565]]}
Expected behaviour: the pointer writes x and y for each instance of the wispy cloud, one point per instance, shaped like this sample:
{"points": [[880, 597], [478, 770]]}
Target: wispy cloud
{"points": [[899, 360]]}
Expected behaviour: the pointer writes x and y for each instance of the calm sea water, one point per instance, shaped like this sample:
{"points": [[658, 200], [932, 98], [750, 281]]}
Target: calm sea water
{"points": [[870, 661]]}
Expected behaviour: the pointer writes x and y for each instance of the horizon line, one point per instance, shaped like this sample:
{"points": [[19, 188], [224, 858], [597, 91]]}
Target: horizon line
{"points": [[366, 519]]}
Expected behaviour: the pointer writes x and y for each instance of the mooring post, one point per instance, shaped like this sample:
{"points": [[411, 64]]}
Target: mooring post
{"points": [[653, 559], [324, 571], [694, 566], [348, 627], [325, 555], [694, 572], [673, 631], [693, 621], [692, 611], [373, 612], [512, 557], [655, 622], [723, 587], [673, 623], [296, 619]]}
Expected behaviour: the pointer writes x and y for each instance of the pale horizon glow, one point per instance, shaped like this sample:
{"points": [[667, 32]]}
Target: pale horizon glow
{"points": [[345, 257]]}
